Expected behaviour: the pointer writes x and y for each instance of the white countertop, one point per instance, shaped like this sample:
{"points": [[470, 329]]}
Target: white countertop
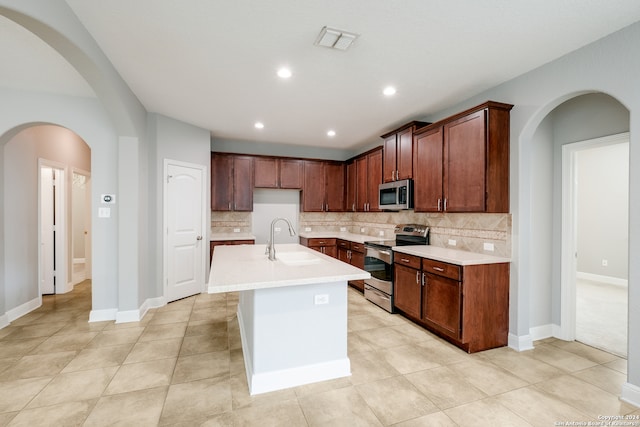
{"points": [[345, 235], [231, 236], [452, 256], [246, 267]]}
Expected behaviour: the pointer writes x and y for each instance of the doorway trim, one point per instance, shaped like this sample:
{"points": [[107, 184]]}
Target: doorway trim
{"points": [[61, 227], [87, 222], [165, 223], [568, 261]]}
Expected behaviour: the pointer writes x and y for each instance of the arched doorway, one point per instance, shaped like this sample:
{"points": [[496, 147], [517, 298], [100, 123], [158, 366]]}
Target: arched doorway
{"points": [[575, 118], [31, 153]]}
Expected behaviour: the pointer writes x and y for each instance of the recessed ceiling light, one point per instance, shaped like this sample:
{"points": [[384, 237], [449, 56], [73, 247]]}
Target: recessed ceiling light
{"points": [[331, 133], [258, 125], [284, 73], [389, 91]]}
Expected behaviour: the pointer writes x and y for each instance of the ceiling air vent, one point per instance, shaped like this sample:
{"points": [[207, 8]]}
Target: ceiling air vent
{"points": [[335, 39]]}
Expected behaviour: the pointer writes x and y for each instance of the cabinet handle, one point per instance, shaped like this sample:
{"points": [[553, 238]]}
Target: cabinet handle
{"points": [[404, 260], [424, 279], [417, 277], [445, 203], [438, 269], [439, 204], [229, 205], [353, 207]]}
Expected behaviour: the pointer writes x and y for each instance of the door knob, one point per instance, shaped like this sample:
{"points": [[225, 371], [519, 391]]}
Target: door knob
{"points": [[199, 238]]}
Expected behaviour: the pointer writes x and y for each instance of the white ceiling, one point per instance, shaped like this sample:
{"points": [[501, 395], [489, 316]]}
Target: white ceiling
{"points": [[213, 63]]}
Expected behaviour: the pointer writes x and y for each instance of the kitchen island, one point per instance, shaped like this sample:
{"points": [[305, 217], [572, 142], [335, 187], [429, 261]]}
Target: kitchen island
{"points": [[292, 312]]}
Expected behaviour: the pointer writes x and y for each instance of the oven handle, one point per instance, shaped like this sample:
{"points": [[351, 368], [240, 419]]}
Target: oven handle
{"points": [[381, 254]]}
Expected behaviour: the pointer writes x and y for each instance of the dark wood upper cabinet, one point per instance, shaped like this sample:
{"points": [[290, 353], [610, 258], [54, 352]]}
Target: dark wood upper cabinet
{"points": [[231, 182], [350, 203], [291, 173], [368, 169], [427, 179], [266, 172], [473, 150], [276, 172], [398, 152], [324, 186]]}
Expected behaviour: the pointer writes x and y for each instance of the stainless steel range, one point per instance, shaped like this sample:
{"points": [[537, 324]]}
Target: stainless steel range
{"points": [[379, 262]]}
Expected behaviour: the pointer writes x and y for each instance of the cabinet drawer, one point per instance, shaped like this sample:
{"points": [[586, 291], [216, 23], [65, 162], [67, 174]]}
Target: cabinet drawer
{"points": [[345, 244], [444, 269], [357, 247], [321, 242], [408, 260]]}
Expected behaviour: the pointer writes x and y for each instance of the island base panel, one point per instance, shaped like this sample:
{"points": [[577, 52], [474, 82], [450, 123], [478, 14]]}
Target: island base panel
{"points": [[294, 335]]}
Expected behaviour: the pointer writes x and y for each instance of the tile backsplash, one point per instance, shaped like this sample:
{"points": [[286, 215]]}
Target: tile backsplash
{"points": [[470, 231]]}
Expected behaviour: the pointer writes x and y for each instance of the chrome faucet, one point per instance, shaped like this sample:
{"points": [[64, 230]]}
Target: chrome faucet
{"points": [[271, 250]]}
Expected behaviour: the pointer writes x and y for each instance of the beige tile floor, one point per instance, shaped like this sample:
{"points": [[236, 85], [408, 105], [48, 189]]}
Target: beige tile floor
{"points": [[183, 366]]}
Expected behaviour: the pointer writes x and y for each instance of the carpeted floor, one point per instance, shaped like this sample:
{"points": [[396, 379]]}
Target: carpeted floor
{"points": [[601, 316]]}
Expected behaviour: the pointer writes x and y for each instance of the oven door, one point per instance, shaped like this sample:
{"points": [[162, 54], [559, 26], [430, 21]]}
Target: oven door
{"points": [[379, 262]]}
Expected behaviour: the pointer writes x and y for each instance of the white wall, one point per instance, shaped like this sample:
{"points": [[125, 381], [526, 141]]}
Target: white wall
{"points": [[603, 210]]}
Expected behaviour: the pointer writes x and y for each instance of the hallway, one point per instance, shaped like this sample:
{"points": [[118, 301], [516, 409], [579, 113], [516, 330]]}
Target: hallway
{"points": [[183, 366]]}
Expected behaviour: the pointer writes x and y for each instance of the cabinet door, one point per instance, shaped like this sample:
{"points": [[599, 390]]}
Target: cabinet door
{"points": [[334, 178], [374, 175], [389, 160], [350, 203], [243, 183], [221, 182], [266, 172], [407, 292], [313, 188], [404, 154], [427, 189], [291, 173], [465, 163], [362, 191], [343, 254], [442, 304]]}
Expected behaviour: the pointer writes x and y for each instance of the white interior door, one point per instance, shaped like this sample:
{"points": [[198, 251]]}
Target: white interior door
{"points": [[47, 240], [184, 216], [53, 242]]}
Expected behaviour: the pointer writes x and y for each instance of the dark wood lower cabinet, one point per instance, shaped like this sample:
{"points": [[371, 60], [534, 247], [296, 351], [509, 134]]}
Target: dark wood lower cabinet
{"points": [[407, 290], [466, 305], [325, 246], [352, 253]]}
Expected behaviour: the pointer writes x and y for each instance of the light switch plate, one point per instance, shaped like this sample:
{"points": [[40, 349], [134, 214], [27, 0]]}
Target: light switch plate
{"points": [[488, 246], [104, 212], [452, 242]]}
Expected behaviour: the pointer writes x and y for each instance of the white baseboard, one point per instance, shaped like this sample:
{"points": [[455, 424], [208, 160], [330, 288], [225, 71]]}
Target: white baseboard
{"points": [[602, 279], [138, 315], [23, 309], [103, 315], [541, 332], [520, 343], [631, 394], [4, 321], [68, 288]]}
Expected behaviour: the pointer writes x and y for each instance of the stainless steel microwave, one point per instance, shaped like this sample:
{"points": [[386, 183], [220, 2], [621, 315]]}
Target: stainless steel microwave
{"points": [[396, 195]]}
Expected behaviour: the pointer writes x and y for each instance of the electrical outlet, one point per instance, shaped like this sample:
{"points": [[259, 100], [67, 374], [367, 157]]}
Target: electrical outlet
{"points": [[236, 230], [452, 242], [488, 246], [381, 233], [321, 299], [605, 263], [343, 228], [277, 229], [307, 229], [362, 229]]}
